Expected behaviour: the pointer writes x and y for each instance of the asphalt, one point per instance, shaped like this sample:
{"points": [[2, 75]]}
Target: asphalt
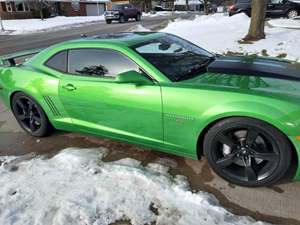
{"points": [[14, 43], [278, 204]]}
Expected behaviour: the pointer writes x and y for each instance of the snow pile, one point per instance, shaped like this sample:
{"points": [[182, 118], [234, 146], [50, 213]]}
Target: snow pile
{"points": [[55, 23], [220, 34], [77, 187], [286, 23]]}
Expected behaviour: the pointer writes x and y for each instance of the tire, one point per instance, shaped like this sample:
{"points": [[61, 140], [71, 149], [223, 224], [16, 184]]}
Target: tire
{"points": [[255, 154], [122, 19], [108, 21], [30, 115], [292, 13], [248, 13], [138, 17]]}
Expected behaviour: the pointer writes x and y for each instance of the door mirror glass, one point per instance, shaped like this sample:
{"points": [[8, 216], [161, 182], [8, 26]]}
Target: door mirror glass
{"points": [[132, 77]]}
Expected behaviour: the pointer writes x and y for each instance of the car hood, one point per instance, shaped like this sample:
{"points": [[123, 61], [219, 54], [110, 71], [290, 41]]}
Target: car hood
{"points": [[251, 75], [256, 66]]}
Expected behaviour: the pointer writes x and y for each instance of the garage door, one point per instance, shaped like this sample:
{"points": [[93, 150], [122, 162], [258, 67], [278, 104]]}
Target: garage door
{"points": [[91, 9]]}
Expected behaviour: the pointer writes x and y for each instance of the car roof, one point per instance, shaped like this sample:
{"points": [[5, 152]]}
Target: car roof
{"points": [[124, 38]]}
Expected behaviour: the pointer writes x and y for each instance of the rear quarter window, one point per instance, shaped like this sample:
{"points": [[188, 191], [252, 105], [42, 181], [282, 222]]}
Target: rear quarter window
{"points": [[58, 61]]}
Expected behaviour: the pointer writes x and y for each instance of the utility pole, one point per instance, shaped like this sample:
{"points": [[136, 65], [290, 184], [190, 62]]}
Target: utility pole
{"points": [[1, 24]]}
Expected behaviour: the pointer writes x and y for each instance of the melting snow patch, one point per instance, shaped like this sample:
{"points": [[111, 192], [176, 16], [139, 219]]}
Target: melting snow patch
{"points": [[77, 187]]}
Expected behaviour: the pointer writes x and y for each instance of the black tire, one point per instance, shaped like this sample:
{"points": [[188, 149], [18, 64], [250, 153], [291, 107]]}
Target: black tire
{"points": [[255, 154], [122, 19], [30, 115], [292, 13], [248, 13], [108, 21], [138, 17]]}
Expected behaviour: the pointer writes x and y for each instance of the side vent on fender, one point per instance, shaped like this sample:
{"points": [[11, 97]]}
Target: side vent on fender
{"points": [[52, 106]]}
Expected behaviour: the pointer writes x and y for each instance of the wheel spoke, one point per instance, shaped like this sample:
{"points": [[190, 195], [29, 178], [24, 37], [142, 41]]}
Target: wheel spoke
{"points": [[37, 119], [250, 172], [30, 106], [265, 156], [225, 140], [226, 161], [251, 137], [22, 105], [22, 117], [32, 126]]}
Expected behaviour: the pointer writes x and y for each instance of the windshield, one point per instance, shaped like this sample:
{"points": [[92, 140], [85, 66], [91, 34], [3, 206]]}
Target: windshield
{"points": [[117, 7], [178, 59]]}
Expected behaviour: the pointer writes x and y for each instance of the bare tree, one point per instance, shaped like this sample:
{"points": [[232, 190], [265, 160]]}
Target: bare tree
{"points": [[205, 5], [257, 26], [1, 24], [187, 5]]}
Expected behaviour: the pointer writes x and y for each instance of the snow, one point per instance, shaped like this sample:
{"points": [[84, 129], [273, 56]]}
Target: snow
{"points": [[220, 34], [77, 187], [22, 26], [286, 23]]}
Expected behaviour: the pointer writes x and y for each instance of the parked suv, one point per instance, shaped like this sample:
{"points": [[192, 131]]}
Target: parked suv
{"points": [[122, 13], [275, 8]]}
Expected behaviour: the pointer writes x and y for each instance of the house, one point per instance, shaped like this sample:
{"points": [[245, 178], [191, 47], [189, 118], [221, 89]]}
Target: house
{"points": [[14, 10], [194, 5], [20, 9]]}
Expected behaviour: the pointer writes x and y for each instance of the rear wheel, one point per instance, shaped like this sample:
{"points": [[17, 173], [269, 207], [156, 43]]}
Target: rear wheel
{"points": [[292, 13], [30, 115], [138, 17], [247, 151], [121, 19]]}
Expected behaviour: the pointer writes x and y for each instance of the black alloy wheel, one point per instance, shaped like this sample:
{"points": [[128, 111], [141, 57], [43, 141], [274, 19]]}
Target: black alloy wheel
{"points": [[30, 115], [247, 152]]}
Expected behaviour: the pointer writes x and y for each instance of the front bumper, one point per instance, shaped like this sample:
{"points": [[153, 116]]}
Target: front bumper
{"points": [[112, 16]]}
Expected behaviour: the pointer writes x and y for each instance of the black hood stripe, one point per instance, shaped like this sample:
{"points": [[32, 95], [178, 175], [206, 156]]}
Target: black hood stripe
{"points": [[255, 67]]}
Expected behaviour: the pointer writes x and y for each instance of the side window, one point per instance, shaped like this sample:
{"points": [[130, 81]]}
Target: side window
{"points": [[58, 61], [99, 63]]}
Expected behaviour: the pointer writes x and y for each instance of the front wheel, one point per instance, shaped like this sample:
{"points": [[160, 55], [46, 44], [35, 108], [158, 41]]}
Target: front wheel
{"points": [[122, 19], [30, 115], [108, 21], [247, 152], [292, 14]]}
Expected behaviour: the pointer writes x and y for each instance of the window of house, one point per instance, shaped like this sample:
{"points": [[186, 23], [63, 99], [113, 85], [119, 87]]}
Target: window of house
{"points": [[99, 63], [58, 62], [20, 6], [8, 6]]}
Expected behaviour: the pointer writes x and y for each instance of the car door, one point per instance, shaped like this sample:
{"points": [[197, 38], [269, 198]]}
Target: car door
{"points": [[97, 103], [275, 8]]}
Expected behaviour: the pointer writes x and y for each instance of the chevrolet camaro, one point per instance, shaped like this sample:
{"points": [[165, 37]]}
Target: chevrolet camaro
{"points": [[157, 90]]}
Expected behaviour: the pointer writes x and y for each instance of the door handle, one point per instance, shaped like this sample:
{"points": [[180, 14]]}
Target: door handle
{"points": [[69, 87]]}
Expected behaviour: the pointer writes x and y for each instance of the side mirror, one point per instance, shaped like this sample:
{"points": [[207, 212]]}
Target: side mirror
{"points": [[132, 76]]}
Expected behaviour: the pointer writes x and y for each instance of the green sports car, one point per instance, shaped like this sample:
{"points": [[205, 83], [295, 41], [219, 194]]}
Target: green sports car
{"points": [[160, 91]]}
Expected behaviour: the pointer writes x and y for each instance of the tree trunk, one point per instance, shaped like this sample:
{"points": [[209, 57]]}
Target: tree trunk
{"points": [[1, 24], [187, 5], [205, 5], [41, 10], [257, 26]]}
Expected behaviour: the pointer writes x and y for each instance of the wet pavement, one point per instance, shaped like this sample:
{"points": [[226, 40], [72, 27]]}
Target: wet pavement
{"points": [[278, 204]]}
